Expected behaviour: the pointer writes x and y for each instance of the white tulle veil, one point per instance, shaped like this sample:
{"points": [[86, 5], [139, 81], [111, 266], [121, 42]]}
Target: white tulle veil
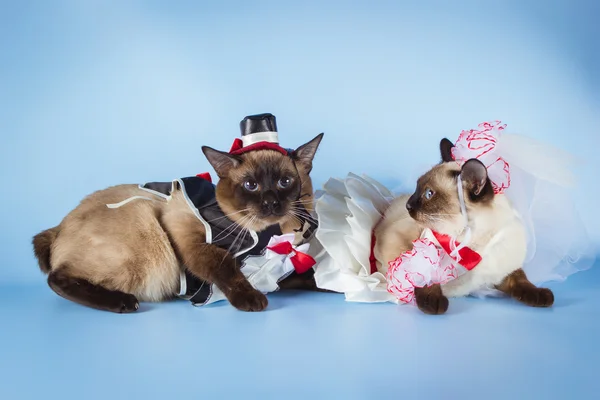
{"points": [[542, 186]]}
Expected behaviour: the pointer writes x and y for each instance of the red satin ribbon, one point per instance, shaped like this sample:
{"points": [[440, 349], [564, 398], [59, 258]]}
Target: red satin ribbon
{"points": [[206, 176], [238, 148], [372, 259], [302, 262], [468, 257]]}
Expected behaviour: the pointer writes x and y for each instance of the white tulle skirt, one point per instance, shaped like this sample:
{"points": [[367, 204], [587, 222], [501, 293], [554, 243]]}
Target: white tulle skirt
{"points": [[348, 209]]}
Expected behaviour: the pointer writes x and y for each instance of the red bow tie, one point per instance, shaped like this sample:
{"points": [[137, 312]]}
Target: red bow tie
{"points": [[302, 262], [468, 257]]}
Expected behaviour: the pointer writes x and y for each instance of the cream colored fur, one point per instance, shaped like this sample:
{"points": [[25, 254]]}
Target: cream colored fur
{"points": [[498, 236], [123, 248]]}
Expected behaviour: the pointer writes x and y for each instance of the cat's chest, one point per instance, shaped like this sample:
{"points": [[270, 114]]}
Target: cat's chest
{"points": [[220, 231], [502, 254], [504, 246]]}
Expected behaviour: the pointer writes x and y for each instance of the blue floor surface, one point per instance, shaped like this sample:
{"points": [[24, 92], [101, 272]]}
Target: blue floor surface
{"points": [[307, 345]]}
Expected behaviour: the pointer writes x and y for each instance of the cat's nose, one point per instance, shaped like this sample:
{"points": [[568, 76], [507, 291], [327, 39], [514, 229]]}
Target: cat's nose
{"points": [[412, 203], [270, 203]]}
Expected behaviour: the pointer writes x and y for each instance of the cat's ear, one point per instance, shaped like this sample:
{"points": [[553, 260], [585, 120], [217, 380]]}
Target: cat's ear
{"points": [[222, 162], [446, 150], [304, 154], [474, 176]]}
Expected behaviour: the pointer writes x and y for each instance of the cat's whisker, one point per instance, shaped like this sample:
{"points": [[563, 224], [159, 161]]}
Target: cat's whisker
{"points": [[295, 207], [229, 229], [300, 201], [248, 223], [232, 247], [293, 214], [303, 213], [296, 219], [303, 218], [229, 215], [241, 236], [307, 219]]}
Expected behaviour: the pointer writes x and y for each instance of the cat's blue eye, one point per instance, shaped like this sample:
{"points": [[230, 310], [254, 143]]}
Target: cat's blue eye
{"points": [[428, 194], [251, 186], [284, 182]]}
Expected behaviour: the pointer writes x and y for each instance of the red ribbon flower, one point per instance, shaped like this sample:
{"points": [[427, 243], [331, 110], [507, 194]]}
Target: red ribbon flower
{"points": [[427, 264], [482, 144], [414, 268]]}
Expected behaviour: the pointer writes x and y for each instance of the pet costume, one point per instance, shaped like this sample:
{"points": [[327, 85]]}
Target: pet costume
{"points": [[534, 177], [265, 257]]}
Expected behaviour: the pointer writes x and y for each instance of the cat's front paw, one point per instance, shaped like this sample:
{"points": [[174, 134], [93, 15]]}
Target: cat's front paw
{"points": [[431, 300], [248, 300], [534, 297]]}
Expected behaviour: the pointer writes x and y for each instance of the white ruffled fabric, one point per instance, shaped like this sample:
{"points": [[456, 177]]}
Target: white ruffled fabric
{"points": [[558, 244], [347, 211]]}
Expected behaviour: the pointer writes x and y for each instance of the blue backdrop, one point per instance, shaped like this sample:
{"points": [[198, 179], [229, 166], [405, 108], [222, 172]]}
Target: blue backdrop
{"points": [[96, 93]]}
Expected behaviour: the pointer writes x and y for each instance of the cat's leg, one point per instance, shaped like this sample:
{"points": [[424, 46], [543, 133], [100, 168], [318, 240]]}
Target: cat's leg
{"points": [[215, 265], [517, 286], [63, 281], [208, 262], [431, 300]]}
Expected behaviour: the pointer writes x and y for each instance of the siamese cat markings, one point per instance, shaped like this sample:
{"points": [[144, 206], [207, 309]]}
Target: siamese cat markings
{"points": [[497, 233], [112, 258]]}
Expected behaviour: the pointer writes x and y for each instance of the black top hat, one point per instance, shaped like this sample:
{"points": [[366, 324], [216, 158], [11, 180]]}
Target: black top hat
{"points": [[259, 128], [258, 123], [259, 132]]}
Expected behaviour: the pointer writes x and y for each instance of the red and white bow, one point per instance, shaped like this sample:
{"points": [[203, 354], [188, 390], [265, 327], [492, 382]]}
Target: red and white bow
{"points": [[431, 261], [295, 256], [482, 144], [265, 271]]}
